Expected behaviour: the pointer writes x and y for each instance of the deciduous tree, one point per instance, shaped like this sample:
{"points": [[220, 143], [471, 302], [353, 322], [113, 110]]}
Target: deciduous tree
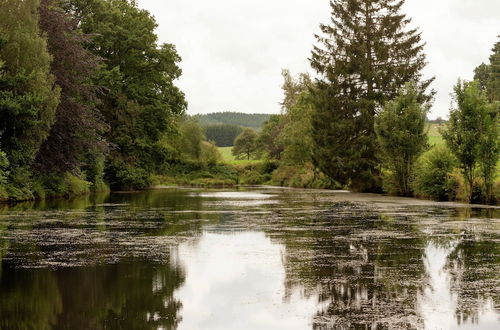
{"points": [[402, 136], [139, 97], [79, 126], [28, 95], [472, 133], [245, 145]]}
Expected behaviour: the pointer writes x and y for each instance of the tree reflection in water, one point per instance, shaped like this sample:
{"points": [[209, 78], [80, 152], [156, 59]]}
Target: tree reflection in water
{"points": [[365, 268], [157, 259], [378, 270], [135, 295]]}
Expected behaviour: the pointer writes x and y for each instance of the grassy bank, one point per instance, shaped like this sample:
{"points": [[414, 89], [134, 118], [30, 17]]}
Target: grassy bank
{"points": [[435, 137], [228, 157], [196, 174]]}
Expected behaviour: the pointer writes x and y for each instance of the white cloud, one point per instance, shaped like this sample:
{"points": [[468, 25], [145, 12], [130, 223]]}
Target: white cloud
{"points": [[233, 50]]}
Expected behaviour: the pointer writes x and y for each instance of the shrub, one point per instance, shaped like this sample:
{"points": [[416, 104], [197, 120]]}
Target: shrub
{"points": [[434, 175], [122, 176], [210, 155], [4, 165], [305, 176], [259, 173], [60, 185]]}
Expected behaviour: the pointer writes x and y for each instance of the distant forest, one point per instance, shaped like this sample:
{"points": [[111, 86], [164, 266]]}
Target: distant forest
{"points": [[223, 127], [254, 120]]}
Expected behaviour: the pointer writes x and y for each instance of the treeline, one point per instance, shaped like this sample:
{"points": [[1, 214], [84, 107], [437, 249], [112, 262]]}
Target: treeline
{"points": [[224, 127], [255, 120], [362, 123], [223, 135], [88, 99]]}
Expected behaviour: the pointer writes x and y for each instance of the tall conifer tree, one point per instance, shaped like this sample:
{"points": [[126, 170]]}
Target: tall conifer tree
{"points": [[493, 85], [364, 56]]}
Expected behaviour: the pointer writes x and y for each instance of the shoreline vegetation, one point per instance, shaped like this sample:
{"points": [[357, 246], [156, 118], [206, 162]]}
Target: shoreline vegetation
{"points": [[91, 104]]}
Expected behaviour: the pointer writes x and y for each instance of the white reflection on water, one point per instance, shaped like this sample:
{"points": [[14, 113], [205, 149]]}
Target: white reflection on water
{"points": [[235, 195], [236, 282], [438, 303]]}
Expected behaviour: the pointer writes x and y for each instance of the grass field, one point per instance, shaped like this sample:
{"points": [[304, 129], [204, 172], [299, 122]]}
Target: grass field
{"points": [[229, 157], [435, 137]]}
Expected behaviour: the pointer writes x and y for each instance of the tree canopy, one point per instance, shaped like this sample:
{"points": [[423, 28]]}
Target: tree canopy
{"points": [[140, 99], [28, 94], [363, 58], [472, 134], [222, 134], [402, 136], [245, 145]]}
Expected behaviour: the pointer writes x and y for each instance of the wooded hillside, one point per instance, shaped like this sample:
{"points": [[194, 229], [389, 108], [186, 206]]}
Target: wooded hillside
{"points": [[253, 120]]}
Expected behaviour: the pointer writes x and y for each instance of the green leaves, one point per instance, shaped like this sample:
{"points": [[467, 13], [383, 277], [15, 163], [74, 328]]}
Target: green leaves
{"points": [[140, 99], [364, 57], [402, 136], [28, 96], [245, 145], [472, 134]]}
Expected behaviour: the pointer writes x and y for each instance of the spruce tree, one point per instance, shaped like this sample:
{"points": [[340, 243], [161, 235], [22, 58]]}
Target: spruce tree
{"points": [[364, 57], [493, 86]]}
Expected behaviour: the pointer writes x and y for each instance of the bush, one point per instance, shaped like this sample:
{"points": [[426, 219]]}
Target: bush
{"points": [[57, 185], [122, 176], [259, 173], [435, 177], [210, 155], [305, 176], [4, 165], [196, 173], [19, 186]]}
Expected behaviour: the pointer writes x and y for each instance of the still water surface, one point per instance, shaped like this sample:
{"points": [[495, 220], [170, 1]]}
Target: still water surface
{"points": [[261, 258]]}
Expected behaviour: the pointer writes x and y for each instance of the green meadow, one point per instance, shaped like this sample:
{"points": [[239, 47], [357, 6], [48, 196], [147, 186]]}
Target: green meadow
{"points": [[229, 158]]}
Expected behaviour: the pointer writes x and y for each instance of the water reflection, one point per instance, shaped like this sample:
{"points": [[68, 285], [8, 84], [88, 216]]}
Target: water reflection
{"points": [[439, 301], [122, 296], [235, 281], [248, 259]]}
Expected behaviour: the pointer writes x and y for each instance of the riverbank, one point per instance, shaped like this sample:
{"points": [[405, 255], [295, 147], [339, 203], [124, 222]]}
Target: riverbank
{"points": [[217, 175]]}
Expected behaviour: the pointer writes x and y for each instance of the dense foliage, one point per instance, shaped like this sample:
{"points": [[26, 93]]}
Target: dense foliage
{"points": [[268, 140], [87, 95], [434, 175], [222, 134], [76, 138], [28, 95], [286, 140], [88, 98], [249, 120], [473, 135], [402, 137], [363, 58], [245, 145], [493, 85], [139, 99]]}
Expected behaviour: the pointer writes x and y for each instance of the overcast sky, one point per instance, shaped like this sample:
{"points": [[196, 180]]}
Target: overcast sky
{"points": [[233, 50]]}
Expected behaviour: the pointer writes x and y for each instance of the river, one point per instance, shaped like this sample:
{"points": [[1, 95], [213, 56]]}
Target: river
{"points": [[248, 258]]}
